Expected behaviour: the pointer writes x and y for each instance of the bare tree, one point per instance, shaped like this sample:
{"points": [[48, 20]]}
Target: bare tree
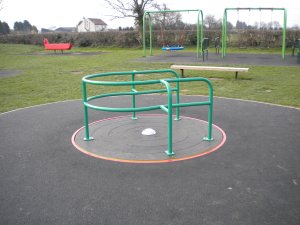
{"points": [[276, 25], [211, 22], [263, 26], [295, 27], [130, 8], [173, 20]]}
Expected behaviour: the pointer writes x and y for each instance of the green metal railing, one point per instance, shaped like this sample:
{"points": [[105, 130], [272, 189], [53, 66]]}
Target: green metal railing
{"points": [[224, 27], [133, 92], [199, 31]]}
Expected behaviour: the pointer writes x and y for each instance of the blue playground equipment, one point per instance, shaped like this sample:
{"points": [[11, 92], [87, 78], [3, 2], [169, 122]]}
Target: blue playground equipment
{"points": [[172, 48]]}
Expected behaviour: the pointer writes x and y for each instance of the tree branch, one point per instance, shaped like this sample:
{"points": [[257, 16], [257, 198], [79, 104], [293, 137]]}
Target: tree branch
{"points": [[130, 8], [1, 4]]}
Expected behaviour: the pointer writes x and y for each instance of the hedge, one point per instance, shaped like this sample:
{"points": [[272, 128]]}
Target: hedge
{"points": [[255, 38]]}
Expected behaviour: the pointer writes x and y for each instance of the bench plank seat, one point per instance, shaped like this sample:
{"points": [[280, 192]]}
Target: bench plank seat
{"points": [[211, 68]]}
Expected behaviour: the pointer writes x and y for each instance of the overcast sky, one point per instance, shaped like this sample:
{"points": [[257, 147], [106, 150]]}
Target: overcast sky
{"points": [[67, 13]]}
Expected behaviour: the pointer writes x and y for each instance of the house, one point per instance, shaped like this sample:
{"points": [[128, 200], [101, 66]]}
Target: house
{"points": [[91, 25]]}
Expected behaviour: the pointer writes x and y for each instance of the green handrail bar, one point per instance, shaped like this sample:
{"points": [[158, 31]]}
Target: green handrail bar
{"points": [[224, 28], [148, 13], [166, 83]]}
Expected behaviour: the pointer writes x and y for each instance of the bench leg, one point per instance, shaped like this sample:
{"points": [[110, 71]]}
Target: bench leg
{"points": [[182, 73], [236, 75]]}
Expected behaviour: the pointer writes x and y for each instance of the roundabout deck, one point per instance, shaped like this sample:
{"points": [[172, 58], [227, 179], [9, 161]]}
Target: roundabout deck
{"points": [[122, 139]]}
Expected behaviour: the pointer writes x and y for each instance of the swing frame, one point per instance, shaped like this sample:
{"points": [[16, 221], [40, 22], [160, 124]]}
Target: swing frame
{"points": [[224, 27], [199, 30]]}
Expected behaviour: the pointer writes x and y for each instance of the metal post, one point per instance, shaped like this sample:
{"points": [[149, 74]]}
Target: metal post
{"points": [[202, 29], [133, 96], [210, 114], [169, 152], [177, 100], [284, 34], [198, 41], [144, 33], [224, 33], [170, 127], [86, 117], [150, 31], [225, 36]]}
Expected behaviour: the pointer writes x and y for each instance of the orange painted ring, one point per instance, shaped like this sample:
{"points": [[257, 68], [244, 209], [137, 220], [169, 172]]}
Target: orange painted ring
{"points": [[208, 151]]}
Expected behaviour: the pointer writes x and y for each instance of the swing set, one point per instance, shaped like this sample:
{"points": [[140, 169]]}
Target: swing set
{"points": [[224, 27], [169, 46]]}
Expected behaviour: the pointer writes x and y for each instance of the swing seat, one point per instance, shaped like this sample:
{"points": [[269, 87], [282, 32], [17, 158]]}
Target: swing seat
{"points": [[172, 48]]}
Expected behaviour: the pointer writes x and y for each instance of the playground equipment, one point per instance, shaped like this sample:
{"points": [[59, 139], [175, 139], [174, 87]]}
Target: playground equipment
{"points": [[57, 46], [177, 46], [224, 27], [296, 48], [133, 92], [217, 45], [205, 46]]}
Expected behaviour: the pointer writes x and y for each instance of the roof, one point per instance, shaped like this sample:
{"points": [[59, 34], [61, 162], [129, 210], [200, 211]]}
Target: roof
{"points": [[60, 29], [97, 21], [65, 29]]}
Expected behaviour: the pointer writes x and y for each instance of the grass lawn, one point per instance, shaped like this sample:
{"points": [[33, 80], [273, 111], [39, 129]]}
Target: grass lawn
{"points": [[49, 78]]}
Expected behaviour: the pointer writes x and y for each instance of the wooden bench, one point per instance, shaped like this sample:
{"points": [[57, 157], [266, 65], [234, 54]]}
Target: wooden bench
{"points": [[212, 68]]}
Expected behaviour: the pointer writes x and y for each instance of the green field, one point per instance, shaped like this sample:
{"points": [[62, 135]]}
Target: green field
{"points": [[48, 78]]}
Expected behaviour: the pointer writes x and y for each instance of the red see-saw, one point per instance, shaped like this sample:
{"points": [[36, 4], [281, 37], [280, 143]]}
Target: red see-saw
{"points": [[57, 46]]}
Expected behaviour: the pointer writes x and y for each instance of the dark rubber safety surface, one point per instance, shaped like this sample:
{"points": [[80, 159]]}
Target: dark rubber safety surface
{"points": [[9, 73], [253, 178], [122, 139], [230, 59]]}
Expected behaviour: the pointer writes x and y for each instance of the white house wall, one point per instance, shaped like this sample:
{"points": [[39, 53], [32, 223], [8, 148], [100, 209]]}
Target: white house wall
{"points": [[91, 26], [88, 26], [80, 28]]}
